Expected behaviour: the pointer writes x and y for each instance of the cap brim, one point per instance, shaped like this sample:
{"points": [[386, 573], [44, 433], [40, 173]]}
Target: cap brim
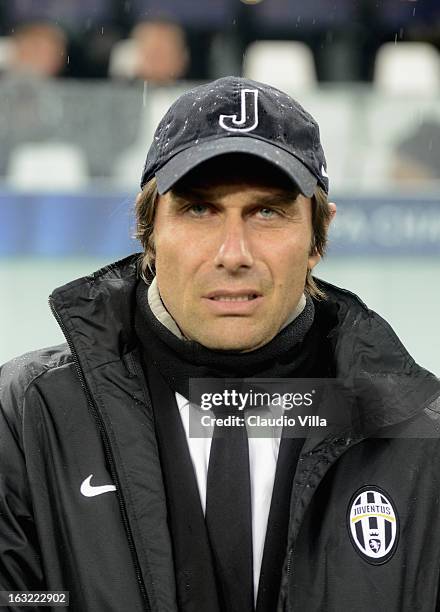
{"points": [[189, 158]]}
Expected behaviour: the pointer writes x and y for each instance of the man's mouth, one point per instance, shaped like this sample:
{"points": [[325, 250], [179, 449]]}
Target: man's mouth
{"points": [[234, 298], [239, 302]]}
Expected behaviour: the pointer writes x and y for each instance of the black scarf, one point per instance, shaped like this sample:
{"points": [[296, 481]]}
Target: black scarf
{"points": [[299, 350]]}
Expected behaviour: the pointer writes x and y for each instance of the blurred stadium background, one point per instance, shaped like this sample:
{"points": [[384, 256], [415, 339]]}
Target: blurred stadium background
{"points": [[83, 84]]}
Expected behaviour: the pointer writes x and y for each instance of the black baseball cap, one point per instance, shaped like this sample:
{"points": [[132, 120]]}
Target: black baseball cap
{"points": [[237, 115]]}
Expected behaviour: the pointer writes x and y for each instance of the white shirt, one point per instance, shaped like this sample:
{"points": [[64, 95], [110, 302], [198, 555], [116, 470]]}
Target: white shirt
{"points": [[263, 456]]}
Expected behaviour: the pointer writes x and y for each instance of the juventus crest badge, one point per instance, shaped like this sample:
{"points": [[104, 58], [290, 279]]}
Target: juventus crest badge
{"points": [[373, 524]]}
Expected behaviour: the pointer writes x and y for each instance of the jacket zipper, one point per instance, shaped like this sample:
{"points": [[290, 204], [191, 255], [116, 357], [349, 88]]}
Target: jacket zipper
{"points": [[289, 561], [289, 568], [348, 442], [107, 453]]}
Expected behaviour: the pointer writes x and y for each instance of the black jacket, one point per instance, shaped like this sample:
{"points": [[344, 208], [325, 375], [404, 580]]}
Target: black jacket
{"points": [[83, 408]]}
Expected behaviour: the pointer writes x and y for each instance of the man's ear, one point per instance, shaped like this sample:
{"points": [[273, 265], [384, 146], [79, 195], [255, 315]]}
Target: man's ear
{"points": [[314, 256], [313, 260]]}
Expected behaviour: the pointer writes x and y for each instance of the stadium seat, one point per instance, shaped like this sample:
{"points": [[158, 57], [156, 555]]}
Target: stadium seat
{"points": [[335, 112], [397, 117], [5, 52], [407, 68], [127, 167], [122, 62], [286, 64], [47, 166]]}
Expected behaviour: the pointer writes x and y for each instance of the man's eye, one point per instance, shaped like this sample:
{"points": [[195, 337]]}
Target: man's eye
{"points": [[198, 210], [267, 213]]}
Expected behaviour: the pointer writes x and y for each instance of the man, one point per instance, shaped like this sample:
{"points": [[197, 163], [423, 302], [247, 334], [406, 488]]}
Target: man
{"points": [[105, 493], [162, 54], [39, 49]]}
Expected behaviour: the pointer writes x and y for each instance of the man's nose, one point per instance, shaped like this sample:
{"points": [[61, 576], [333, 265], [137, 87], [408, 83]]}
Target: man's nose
{"points": [[234, 251]]}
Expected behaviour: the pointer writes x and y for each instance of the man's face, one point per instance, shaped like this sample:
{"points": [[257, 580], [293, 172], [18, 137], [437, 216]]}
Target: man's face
{"points": [[231, 260]]}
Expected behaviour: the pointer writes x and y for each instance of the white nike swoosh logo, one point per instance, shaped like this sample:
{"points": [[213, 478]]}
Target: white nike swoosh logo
{"points": [[323, 172], [89, 491]]}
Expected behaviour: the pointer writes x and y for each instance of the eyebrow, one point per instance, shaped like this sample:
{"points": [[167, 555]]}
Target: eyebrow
{"points": [[281, 198]]}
